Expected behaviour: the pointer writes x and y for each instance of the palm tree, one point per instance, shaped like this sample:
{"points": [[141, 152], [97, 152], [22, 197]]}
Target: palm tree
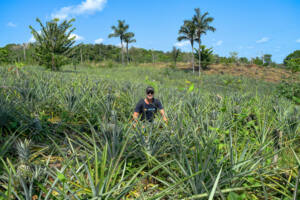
{"points": [[120, 32], [188, 32], [128, 38], [202, 26]]}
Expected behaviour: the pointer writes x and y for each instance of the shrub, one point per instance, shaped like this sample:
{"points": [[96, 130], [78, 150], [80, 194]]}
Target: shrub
{"points": [[110, 64], [206, 56], [258, 61], [295, 54], [294, 64], [290, 91], [3, 56]]}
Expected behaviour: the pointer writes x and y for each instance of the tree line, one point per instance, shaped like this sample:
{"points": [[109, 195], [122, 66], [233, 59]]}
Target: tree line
{"points": [[89, 53]]}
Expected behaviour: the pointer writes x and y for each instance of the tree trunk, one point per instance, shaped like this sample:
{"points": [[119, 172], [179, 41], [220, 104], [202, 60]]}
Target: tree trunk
{"points": [[199, 56], [24, 51], [74, 63], [127, 53], [81, 55], [53, 62], [122, 52], [193, 59], [153, 59], [99, 53]]}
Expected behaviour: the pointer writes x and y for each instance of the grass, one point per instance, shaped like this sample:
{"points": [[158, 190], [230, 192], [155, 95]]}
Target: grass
{"points": [[220, 142]]}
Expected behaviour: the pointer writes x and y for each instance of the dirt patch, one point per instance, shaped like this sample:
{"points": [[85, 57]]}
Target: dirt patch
{"points": [[264, 73], [253, 71]]}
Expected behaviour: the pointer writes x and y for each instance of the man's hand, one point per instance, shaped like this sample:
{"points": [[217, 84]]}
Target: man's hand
{"points": [[135, 117], [163, 114]]}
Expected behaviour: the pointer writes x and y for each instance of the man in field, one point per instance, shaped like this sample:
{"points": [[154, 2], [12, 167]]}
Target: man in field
{"points": [[148, 107]]}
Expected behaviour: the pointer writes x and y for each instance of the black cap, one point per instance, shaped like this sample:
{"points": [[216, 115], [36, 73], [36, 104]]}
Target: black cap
{"points": [[149, 89]]}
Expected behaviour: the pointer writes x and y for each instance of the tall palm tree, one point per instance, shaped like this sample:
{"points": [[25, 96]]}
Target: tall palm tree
{"points": [[120, 31], [202, 26], [128, 38], [188, 32]]}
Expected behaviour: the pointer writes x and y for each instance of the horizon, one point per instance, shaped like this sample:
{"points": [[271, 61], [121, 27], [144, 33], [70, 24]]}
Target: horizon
{"points": [[249, 29]]}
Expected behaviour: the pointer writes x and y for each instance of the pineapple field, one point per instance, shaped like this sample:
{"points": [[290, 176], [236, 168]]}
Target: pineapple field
{"points": [[70, 135]]}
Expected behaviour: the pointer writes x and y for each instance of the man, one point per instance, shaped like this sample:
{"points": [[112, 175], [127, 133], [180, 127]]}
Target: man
{"points": [[148, 107]]}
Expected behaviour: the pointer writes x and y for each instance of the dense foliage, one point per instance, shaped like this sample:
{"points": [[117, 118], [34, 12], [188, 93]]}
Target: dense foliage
{"points": [[224, 139], [87, 53], [294, 55], [3, 56], [92, 53], [290, 90], [294, 64]]}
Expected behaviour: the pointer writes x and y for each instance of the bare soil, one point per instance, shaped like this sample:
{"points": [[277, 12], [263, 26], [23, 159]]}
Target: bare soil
{"points": [[269, 74]]}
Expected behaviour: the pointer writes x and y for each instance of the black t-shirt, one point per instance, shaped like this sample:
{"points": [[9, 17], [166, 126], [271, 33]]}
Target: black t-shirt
{"points": [[148, 110]]}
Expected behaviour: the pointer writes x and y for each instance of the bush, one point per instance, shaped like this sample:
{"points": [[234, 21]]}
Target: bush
{"points": [[258, 61], [206, 56], [290, 91], [3, 56], [172, 66], [294, 64], [110, 64], [295, 54]]}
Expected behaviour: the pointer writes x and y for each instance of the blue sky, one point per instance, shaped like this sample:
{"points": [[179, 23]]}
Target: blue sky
{"points": [[249, 27]]}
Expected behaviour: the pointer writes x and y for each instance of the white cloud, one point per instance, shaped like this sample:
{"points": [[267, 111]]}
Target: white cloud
{"points": [[86, 7], [219, 43], [10, 24], [182, 44], [298, 41], [99, 41], [263, 40], [120, 45], [77, 37], [31, 40]]}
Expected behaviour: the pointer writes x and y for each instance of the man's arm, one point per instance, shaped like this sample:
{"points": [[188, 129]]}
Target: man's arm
{"points": [[136, 113], [163, 114], [135, 116], [162, 111]]}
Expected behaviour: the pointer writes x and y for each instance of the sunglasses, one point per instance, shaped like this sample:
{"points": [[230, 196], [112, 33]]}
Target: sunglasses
{"points": [[150, 92]]}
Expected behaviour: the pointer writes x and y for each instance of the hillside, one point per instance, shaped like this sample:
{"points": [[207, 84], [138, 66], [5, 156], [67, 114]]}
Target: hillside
{"points": [[269, 74]]}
